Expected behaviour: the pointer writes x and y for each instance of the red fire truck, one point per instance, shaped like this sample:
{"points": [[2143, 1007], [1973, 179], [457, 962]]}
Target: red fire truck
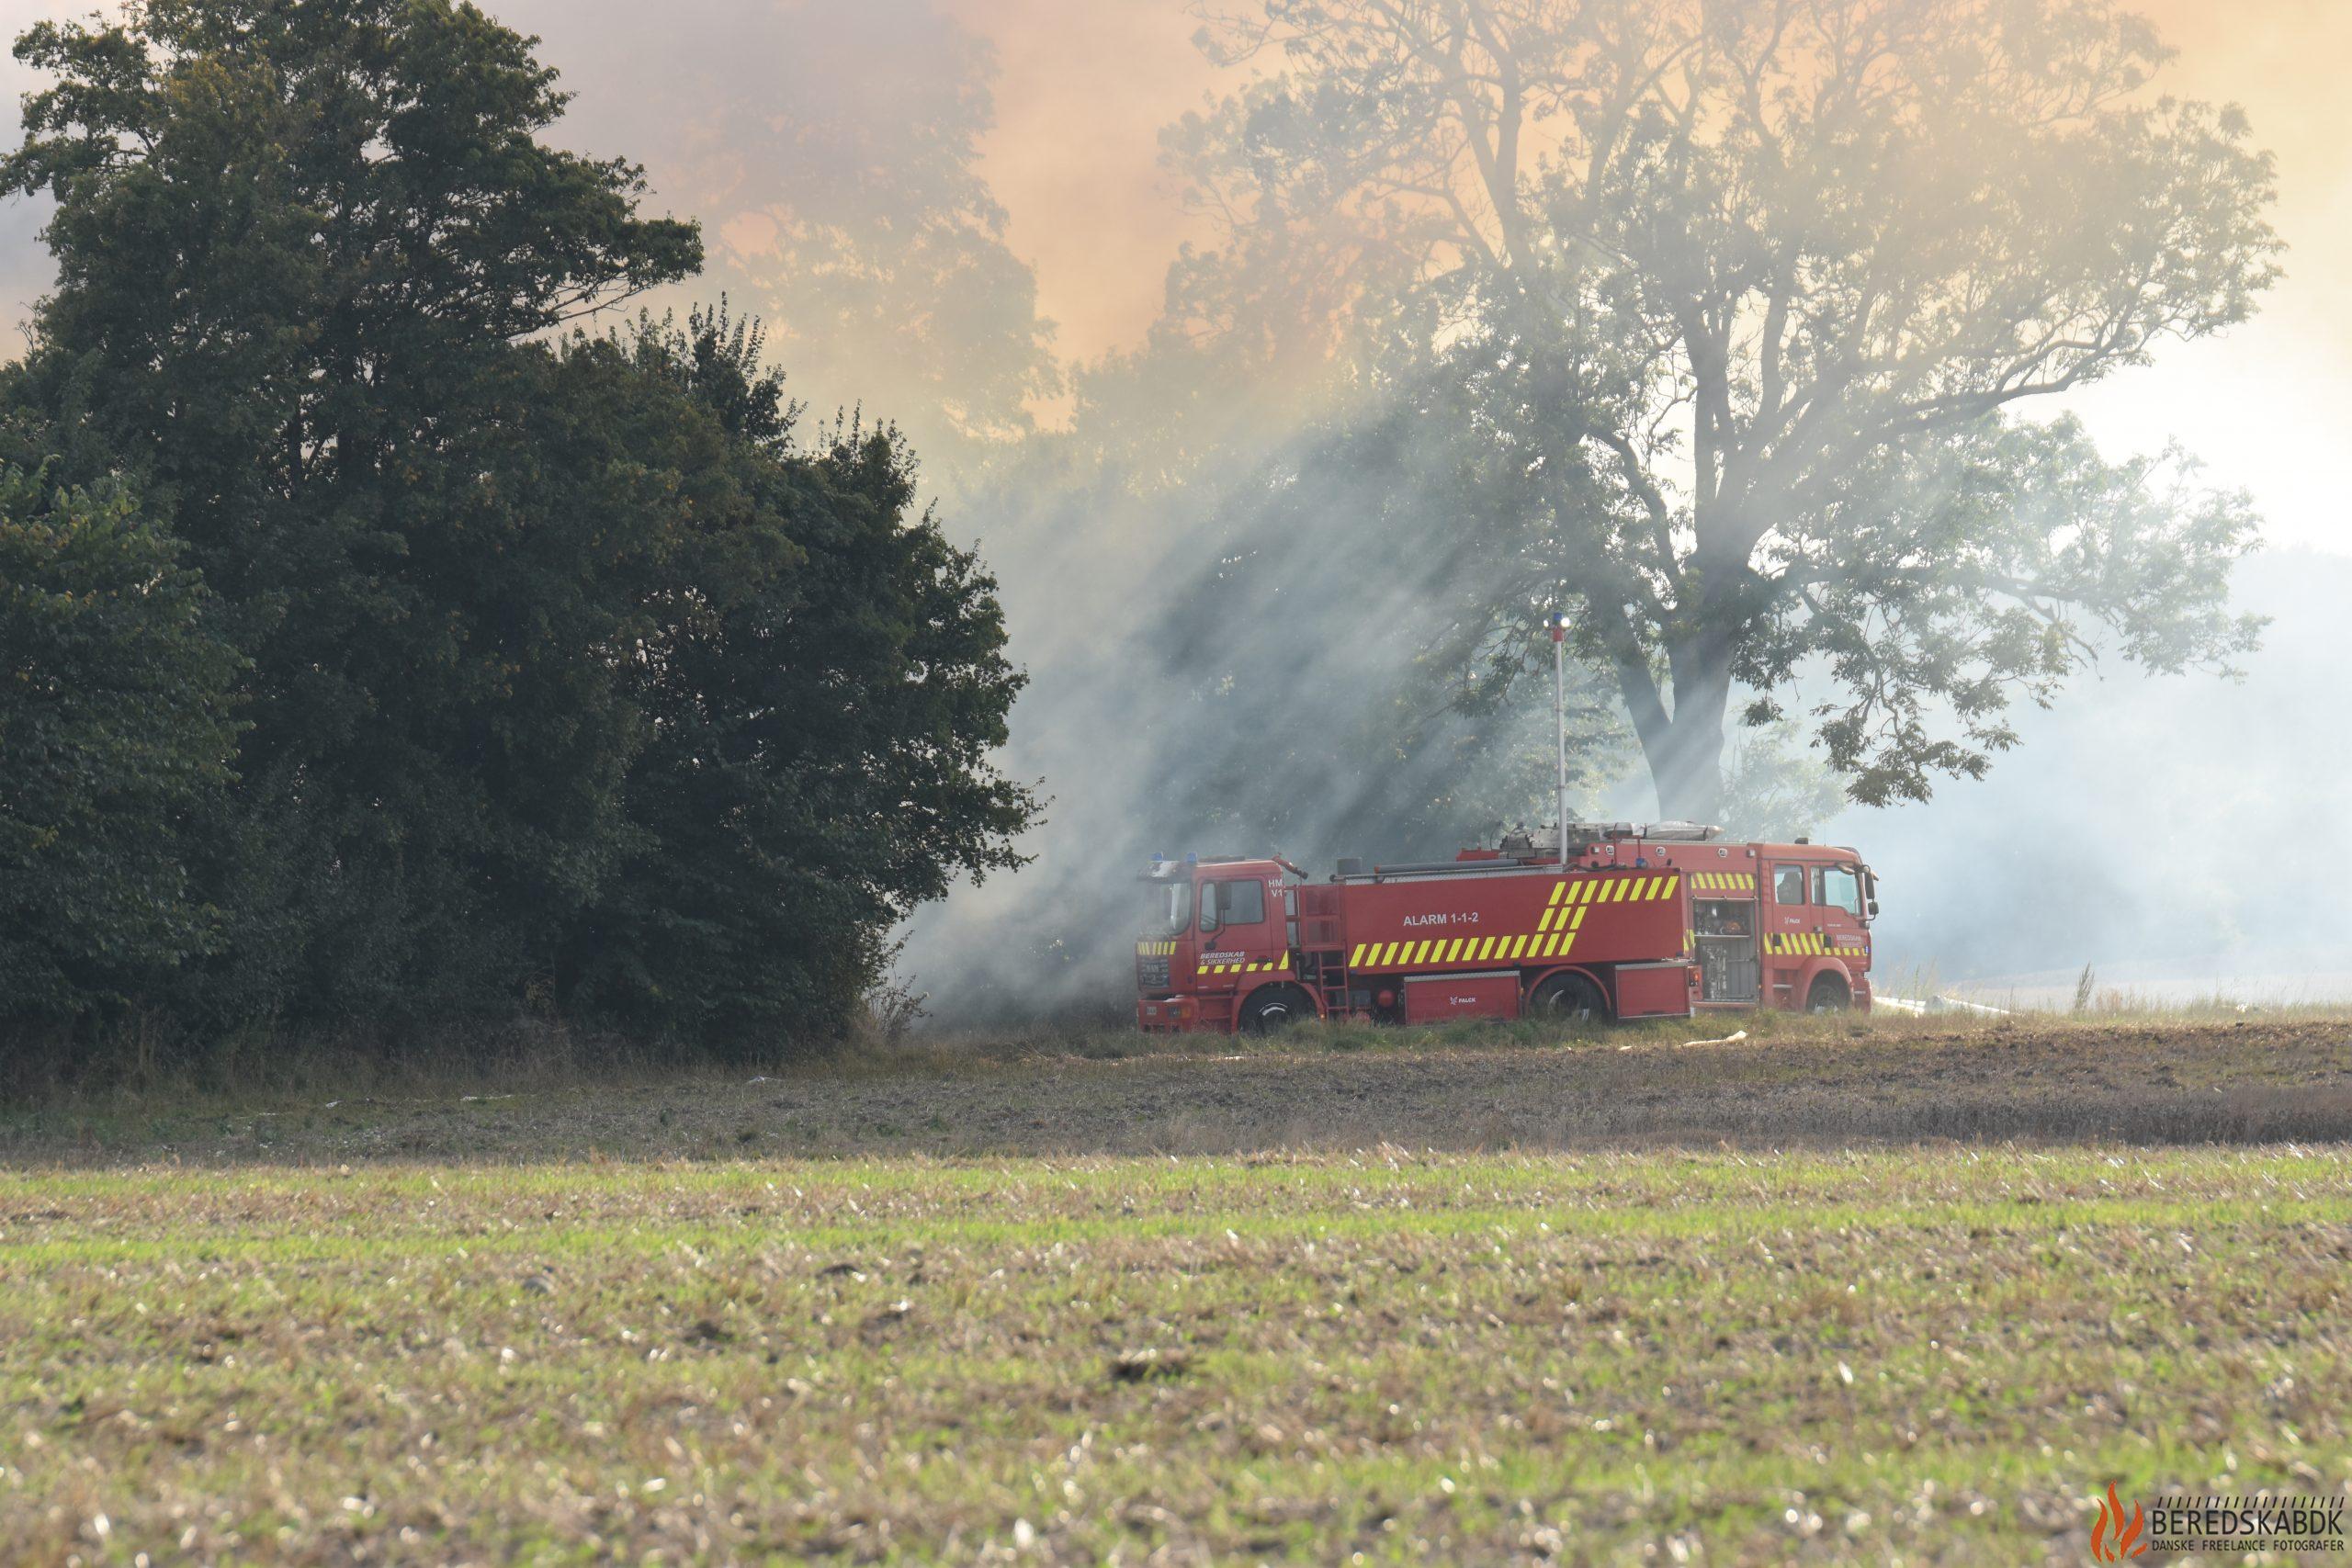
{"points": [[1630, 922]]}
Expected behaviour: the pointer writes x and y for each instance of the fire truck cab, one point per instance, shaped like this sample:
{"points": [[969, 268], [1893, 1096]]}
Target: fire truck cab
{"points": [[1631, 922], [1775, 925]]}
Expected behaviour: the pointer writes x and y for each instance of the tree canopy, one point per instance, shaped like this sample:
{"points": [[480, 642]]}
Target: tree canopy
{"points": [[571, 677]]}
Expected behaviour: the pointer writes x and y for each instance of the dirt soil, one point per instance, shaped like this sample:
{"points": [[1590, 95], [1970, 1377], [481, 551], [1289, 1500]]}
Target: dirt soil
{"points": [[2259, 1081]]}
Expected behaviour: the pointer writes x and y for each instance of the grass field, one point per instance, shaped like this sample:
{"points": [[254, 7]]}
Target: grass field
{"points": [[926, 1313]]}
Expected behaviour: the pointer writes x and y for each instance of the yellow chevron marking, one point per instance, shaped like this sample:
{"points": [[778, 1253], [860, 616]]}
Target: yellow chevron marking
{"points": [[1558, 888], [1420, 953], [1454, 949], [1487, 947], [1578, 924], [1671, 884], [1567, 943], [1518, 946], [1355, 959]]}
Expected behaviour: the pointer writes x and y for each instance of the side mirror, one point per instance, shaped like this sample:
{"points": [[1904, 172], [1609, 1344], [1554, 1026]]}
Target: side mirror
{"points": [[1873, 907]]}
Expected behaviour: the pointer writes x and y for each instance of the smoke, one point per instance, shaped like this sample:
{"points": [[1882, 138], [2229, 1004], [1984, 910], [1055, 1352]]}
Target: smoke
{"points": [[2180, 835], [1223, 572]]}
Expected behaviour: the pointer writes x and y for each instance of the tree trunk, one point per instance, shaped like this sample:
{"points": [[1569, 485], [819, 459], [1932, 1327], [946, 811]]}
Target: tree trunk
{"points": [[1687, 770], [1684, 749]]}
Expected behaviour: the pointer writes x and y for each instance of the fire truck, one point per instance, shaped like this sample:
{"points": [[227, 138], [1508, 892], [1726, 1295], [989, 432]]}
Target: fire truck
{"points": [[1606, 921]]}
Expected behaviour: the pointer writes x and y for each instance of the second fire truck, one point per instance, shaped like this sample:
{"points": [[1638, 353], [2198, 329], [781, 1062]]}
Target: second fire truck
{"points": [[1625, 921]]}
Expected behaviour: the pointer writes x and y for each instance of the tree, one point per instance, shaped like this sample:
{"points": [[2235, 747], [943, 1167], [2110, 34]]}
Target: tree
{"points": [[1762, 289], [573, 682], [822, 681], [299, 243], [115, 722]]}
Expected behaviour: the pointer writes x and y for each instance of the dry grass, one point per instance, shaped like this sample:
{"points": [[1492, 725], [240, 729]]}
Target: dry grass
{"points": [[1796, 1081]]}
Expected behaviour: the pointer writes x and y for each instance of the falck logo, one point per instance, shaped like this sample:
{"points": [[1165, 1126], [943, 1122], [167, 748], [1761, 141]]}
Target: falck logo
{"points": [[2118, 1537]]}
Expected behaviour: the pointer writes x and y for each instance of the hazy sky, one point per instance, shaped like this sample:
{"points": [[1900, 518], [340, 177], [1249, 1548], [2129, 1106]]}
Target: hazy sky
{"points": [[1087, 84]]}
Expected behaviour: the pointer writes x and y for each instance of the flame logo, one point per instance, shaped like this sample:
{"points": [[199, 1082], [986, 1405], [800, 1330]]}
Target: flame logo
{"points": [[2116, 1537]]}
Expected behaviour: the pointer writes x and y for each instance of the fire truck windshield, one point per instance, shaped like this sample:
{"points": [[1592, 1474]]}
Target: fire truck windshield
{"points": [[1169, 909]]}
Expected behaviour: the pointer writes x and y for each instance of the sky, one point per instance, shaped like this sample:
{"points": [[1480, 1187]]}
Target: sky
{"points": [[1086, 85], [1074, 158]]}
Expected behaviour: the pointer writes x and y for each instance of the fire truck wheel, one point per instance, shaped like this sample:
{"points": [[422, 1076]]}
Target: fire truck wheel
{"points": [[1277, 1007], [1829, 994], [1568, 998]]}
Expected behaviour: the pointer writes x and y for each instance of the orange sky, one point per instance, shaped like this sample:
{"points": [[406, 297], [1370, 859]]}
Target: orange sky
{"points": [[1088, 84], [1074, 156]]}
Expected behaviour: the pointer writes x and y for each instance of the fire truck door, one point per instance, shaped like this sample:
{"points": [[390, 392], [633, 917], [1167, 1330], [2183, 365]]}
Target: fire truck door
{"points": [[1788, 927], [1838, 908], [1239, 925]]}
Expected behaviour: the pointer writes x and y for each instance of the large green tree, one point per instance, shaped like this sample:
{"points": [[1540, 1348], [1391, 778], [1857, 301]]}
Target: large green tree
{"points": [[295, 240], [570, 678], [821, 681], [1762, 290]]}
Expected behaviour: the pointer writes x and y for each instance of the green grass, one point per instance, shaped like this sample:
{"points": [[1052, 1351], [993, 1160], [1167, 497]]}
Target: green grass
{"points": [[1720, 1356]]}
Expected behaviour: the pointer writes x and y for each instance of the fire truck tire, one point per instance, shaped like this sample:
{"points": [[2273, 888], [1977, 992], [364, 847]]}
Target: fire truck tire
{"points": [[1828, 994], [1276, 1008], [1568, 998]]}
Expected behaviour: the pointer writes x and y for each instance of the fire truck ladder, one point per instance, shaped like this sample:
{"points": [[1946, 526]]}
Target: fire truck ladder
{"points": [[1332, 979], [1321, 956]]}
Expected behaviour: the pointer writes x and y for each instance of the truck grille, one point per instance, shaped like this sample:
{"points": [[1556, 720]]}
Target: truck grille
{"points": [[1151, 973]]}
